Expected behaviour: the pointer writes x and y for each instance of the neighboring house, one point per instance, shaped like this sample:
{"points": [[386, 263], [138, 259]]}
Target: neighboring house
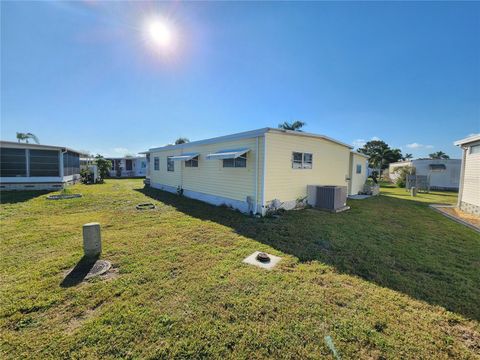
{"points": [[469, 192], [37, 167], [443, 174], [251, 170], [128, 166]]}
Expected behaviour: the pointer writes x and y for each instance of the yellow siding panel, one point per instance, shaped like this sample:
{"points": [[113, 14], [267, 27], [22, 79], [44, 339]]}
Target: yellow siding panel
{"points": [[210, 177], [330, 166], [471, 180]]}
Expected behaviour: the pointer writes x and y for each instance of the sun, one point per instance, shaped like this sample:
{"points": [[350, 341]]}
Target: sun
{"points": [[159, 34]]}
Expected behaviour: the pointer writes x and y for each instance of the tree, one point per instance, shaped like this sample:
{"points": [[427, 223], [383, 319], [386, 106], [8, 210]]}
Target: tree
{"points": [[407, 156], [181, 140], [103, 166], [26, 136], [439, 155], [379, 154], [294, 126]]}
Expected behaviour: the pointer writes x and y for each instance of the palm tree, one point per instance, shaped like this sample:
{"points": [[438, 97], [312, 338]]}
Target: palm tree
{"points": [[439, 155], [181, 140], [408, 156], [26, 136], [294, 126], [379, 159]]}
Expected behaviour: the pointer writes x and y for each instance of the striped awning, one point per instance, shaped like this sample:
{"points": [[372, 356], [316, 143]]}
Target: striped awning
{"points": [[183, 157], [228, 154]]}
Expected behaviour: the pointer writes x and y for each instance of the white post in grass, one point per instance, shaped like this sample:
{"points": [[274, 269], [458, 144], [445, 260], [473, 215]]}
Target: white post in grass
{"points": [[92, 241]]}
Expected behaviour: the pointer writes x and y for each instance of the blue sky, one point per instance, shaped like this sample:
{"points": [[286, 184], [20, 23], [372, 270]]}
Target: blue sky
{"points": [[82, 74]]}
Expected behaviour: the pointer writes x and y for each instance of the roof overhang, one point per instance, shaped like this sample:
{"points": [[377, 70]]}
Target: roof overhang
{"points": [[228, 154], [20, 145], [468, 140], [184, 157]]}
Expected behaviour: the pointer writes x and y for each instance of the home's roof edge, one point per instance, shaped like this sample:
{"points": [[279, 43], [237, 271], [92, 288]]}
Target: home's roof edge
{"points": [[246, 135], [467, 140], [39, 146]]}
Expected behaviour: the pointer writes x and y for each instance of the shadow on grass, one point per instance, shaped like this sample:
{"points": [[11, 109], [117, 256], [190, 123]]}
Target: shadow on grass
{"points": [[79, 272], [395, 243], [13, 197]]}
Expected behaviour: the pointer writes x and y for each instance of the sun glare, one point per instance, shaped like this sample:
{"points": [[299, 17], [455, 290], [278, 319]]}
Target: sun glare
{"points": [[159, 34]]}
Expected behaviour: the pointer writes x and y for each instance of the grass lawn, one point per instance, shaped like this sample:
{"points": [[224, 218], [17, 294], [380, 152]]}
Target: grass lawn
{"points": [[389, 278]]}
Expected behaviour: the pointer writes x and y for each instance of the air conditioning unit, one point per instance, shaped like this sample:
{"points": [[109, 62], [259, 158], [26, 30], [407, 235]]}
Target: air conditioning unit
{"points": [[327, 197]]}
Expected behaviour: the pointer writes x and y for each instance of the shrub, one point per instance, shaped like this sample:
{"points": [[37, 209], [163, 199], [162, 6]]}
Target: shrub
{"points": [[103, 166], [402, 172]]}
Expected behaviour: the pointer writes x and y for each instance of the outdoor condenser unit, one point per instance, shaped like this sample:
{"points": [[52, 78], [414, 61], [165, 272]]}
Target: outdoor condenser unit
{"points": [[329, 197]]}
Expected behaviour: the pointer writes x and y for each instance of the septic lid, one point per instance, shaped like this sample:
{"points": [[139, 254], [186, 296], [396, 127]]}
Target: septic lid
{"points": [[263, 257], [100, 267]]}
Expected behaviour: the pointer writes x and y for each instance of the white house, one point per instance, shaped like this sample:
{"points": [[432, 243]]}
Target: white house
{"points": [[37, 167], [128, 166], [469, 192], [253, 169], [443, 174]]}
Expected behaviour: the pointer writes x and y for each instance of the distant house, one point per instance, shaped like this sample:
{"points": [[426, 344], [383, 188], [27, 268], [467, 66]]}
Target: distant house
{"points": [[469, 193], [251, 170], [37, 167], [128, 166], [443, 174]]}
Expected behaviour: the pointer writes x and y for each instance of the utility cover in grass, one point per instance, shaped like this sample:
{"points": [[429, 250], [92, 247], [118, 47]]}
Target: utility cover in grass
{"points": [[252, 260]]}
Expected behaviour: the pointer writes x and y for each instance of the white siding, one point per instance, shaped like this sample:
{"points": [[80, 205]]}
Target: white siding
{"points": [[471, 180]]}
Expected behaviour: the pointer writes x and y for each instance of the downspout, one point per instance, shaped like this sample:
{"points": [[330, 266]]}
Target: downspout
{"points": [[462, 176], [256, 177], [264, 175]]}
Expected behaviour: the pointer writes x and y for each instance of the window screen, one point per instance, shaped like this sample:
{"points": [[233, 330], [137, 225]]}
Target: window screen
{"points": [[302, 160], [359, 168], [13, 162], [156, 163], [239, 162], [475, 149], [437, 167], [44, 163], [192, 163], [170, 164], [71, 163]]}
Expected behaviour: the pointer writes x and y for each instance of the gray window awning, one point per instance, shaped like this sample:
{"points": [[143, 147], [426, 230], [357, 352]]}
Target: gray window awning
{"points": [[228, 154], [183, 157]]}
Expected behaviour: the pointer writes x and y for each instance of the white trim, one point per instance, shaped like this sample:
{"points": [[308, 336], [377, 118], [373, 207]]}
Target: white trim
{"points": [[467, 140], [256, 176], [247, 135], [264, 175], [19, 145]]}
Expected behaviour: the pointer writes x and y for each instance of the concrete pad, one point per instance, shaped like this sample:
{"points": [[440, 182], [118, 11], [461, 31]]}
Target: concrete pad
{"points": [[252, 260], [359, 197]]}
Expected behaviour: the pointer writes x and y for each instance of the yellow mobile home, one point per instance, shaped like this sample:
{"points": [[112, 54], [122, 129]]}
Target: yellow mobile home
{"points": [[251, 170]]}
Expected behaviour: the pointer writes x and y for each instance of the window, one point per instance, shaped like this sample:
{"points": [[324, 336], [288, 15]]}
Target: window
{"points": [[475, 149], [302, 160], [359, 168], [192, 163], [13, 162], [144, 164], [170, 164], [437, 167], [239, 162], [156, 163], [71, 163], [128, 164], [44, 163]]}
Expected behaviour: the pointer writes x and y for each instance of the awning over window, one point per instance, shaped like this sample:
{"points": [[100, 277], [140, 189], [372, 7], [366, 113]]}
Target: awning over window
{"points": [[227, 154], [183, 157]]}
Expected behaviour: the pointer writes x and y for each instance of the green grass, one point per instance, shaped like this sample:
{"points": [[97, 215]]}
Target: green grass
{"points": [[389, 278]]}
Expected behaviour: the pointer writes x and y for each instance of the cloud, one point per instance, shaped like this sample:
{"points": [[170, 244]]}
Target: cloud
{"points": [[359, 143], [375, 138], [419, 146]]}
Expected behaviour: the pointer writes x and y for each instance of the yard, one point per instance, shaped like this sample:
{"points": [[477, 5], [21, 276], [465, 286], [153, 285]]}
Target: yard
{"points": [[388, 279]]}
